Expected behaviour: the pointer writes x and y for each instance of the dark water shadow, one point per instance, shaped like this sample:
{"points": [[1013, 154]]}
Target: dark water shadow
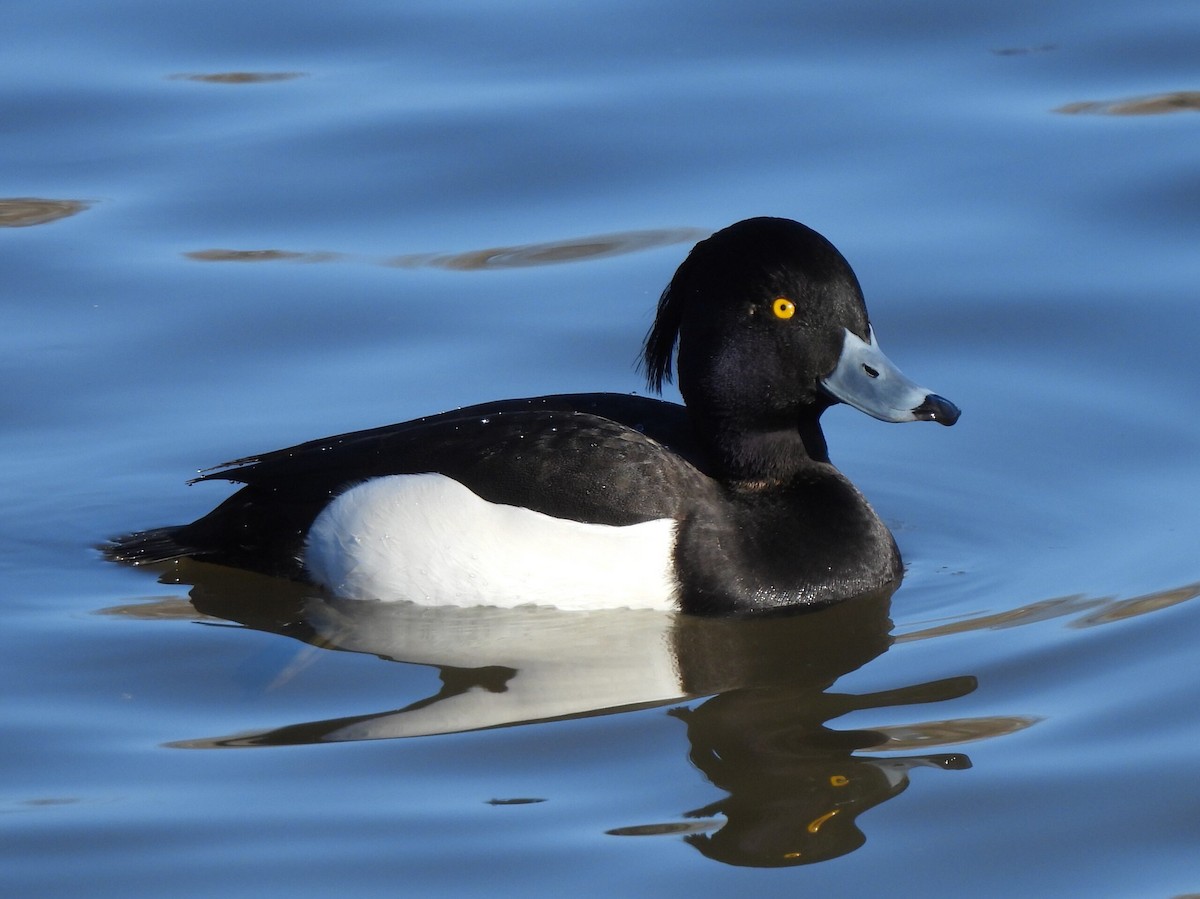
{"points": [[237, 77], [556, 252], [754, 696], [1025, 51]]}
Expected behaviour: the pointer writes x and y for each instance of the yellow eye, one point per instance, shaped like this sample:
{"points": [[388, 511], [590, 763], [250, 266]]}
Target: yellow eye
{"points": [[783, 308]]}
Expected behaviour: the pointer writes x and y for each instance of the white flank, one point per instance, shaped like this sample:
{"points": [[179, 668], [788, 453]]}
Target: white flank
{"points": [[428, 539]]}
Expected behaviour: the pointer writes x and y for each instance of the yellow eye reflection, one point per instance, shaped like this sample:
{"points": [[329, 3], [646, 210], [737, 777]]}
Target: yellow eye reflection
{"points": [[815, 824], [783, 308]]}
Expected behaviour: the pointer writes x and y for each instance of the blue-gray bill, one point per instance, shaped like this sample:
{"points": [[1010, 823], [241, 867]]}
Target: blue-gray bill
{"points": [[869, 381]]}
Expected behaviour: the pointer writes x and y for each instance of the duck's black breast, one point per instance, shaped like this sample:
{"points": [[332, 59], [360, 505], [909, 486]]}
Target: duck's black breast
{"points": [[812, 541], [596, 458]]}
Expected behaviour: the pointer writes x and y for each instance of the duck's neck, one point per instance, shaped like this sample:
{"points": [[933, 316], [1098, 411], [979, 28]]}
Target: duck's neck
{"points": [[770, 455], [813, 438]]}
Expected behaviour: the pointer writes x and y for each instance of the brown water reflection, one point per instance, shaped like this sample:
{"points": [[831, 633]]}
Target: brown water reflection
{"points": [[571, 250], [22, 212], [1155, 104], [518, 256], [903, 737], [219, 255], [1092, 611]]}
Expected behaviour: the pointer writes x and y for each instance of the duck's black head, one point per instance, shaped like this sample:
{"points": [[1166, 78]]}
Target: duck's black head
{"points": [[769, 327]]}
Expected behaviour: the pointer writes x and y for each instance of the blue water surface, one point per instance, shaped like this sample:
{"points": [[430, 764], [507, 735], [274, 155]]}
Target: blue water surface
{"points": [[228, 227]]}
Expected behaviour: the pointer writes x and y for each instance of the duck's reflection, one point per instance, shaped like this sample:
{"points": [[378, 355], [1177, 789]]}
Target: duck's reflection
{"points": [[795, 787], [753, 694]]}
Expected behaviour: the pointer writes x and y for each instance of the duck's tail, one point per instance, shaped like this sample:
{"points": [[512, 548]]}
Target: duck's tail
{"points": [[147, 547]]}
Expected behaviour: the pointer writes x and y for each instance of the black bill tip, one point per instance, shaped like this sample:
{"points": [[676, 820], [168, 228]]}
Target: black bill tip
{"points": [[937, 408]]}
